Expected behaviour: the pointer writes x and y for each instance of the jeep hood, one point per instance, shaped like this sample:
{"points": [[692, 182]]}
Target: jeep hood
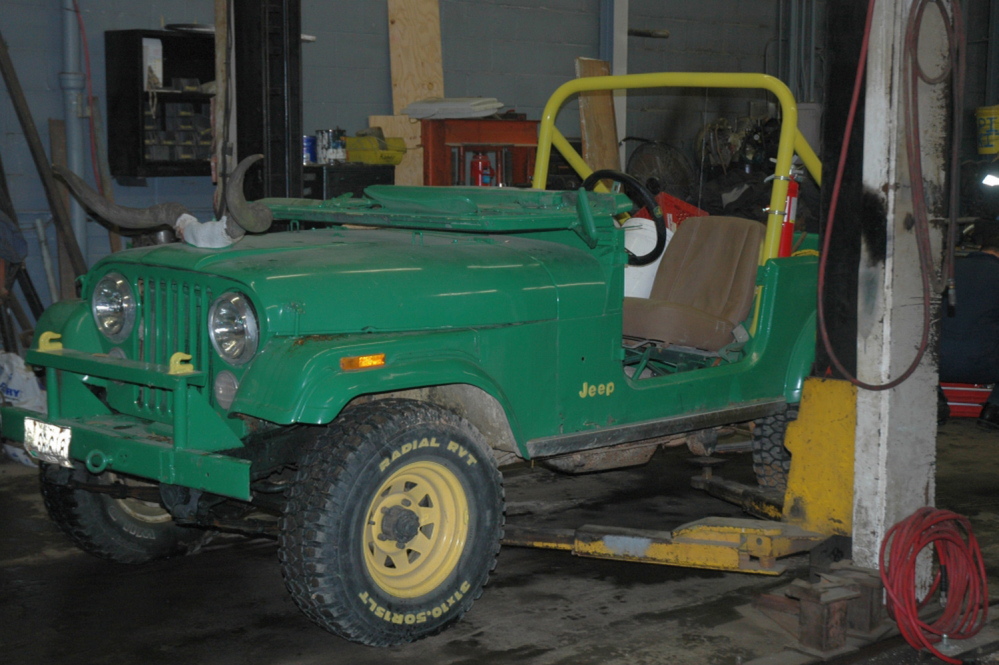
{"points": [[353, 280]]}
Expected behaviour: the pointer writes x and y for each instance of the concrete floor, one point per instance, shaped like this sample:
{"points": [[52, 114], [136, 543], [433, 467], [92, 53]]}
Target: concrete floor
{"points": [[228, 603]]}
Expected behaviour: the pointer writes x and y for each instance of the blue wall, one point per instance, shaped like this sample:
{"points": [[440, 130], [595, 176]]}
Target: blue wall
{"points": [[515, 50], [33, 32]]}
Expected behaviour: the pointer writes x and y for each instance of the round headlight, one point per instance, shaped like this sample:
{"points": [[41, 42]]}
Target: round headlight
{"points": [[232, 327], [225, 388], [113, 305]]}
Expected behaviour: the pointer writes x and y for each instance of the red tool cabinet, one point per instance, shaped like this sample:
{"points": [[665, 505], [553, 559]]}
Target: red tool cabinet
{"points": [[449, 145]]}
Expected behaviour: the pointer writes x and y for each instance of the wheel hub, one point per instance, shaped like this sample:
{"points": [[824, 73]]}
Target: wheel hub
{"points": [[416, 529], [399, 524]]}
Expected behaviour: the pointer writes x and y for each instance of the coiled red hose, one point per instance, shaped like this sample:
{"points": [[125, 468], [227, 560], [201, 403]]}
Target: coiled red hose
{"points": [[959, 580]]}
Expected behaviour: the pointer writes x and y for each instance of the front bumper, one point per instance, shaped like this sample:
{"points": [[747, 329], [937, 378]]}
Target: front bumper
{"points": [[193, 448]]}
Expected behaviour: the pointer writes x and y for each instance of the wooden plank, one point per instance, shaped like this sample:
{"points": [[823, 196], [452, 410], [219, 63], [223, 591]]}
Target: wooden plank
{"points": [[104, 171], [596, 119], [220, 107], [410, 170], [57, 144], [415, 51]]}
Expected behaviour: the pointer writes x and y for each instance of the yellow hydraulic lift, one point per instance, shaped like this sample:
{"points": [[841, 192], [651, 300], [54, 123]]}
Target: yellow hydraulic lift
{"points": [[818, 503]]}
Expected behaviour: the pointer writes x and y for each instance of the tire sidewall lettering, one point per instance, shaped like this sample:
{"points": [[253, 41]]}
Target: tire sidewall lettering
{"points": [[464, 453], [413, 617]]}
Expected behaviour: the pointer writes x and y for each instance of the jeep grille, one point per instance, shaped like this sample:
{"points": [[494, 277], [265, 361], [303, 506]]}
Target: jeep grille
{"points": [[173, 313]]}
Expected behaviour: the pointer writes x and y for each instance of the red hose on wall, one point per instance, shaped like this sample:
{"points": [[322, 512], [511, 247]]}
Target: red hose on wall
{"points": [[959, 581]]}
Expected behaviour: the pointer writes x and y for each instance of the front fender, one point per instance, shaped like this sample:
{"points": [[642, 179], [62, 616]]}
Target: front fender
{"points": [[72, 320], [299, 380]]}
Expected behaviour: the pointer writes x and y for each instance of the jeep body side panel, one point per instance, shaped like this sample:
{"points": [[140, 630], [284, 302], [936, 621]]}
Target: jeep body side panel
{"points": [[776, 360]]}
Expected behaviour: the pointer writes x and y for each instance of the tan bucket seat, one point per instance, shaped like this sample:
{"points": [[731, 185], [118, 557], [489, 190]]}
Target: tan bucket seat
{"points": [[704, 285]]}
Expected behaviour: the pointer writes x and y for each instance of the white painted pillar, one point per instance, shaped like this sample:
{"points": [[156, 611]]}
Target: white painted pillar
{"points": [[896, 429]]}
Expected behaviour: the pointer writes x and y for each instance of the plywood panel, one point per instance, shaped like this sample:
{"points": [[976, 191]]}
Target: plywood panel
{"points": [[415, 51], [596, 119], [410, 170]]}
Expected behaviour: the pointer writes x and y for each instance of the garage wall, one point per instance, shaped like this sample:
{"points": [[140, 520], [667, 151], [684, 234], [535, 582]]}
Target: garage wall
{"points": [[705, 36], [516, 50], [33, 32]]}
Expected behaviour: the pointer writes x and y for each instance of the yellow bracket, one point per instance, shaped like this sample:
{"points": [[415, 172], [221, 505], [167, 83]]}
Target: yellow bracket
{"points": [[49, 341], [179, 363]]}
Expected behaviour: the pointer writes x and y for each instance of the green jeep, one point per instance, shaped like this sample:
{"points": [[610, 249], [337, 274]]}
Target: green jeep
{"points": [[352, 384]]}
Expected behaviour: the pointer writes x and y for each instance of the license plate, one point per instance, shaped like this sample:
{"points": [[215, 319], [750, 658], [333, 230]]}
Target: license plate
{"points": [[47, 442]]}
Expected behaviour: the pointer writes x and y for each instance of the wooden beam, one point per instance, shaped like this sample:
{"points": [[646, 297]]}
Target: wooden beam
{"points": [[417, 73], [67, 278], [415, 51], [596, 119], [220, 106], [104, 173]]}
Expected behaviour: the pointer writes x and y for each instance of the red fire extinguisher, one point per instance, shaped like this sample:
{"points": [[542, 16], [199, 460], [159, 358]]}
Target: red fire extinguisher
{"points": [[790, 215], [482, 170]]}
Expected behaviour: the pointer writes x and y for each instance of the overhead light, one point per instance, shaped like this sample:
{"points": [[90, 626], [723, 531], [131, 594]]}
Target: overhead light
{"points": [[990, 180]]}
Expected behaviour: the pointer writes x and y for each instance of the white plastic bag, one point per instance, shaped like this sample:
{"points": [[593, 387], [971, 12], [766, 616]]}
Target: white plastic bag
{"points": [[19, 387]]}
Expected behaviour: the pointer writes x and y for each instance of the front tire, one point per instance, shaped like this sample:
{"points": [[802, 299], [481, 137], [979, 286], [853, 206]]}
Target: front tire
{"points": [[119, 530], [393, 523]]}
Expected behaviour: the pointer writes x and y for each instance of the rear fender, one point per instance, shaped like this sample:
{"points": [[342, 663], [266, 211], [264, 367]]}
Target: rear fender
{"points": [[799, 365]]}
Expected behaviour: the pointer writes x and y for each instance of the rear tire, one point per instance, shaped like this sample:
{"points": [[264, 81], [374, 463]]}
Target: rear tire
{"points": [[771, 460], [120, 530], [393, 523]]}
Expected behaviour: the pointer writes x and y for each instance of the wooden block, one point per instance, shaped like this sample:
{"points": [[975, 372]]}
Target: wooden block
{"points": [[410, 170], [596, 119], [415, 51]]}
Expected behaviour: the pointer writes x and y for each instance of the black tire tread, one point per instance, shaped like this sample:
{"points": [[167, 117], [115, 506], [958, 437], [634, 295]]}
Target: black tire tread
{"points": [[332, 458], [771, 460], [79, 514]]}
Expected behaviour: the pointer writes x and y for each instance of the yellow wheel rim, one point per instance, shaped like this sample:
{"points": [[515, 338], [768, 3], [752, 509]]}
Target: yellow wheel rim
{"points": [[416, 529]]}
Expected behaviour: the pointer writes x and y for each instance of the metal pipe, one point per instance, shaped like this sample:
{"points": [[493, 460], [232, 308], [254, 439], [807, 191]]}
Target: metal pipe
{"points": [[811, 51], [72, 83], [794, 51], [780, 39], [992, 57]]}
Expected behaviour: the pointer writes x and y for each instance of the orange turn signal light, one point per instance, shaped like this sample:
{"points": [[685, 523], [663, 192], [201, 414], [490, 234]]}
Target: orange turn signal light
{"points": [[362, 362]]}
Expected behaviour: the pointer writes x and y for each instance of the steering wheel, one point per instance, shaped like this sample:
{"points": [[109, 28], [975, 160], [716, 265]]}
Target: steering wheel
{"points": [[642, 197]]}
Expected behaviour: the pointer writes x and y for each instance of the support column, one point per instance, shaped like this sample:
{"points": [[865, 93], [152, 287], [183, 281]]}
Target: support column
{"points": [[895, 460], [72, 83]]}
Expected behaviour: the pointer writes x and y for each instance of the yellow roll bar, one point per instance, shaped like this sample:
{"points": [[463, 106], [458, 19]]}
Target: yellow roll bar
{"points": [[791, 140]]}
